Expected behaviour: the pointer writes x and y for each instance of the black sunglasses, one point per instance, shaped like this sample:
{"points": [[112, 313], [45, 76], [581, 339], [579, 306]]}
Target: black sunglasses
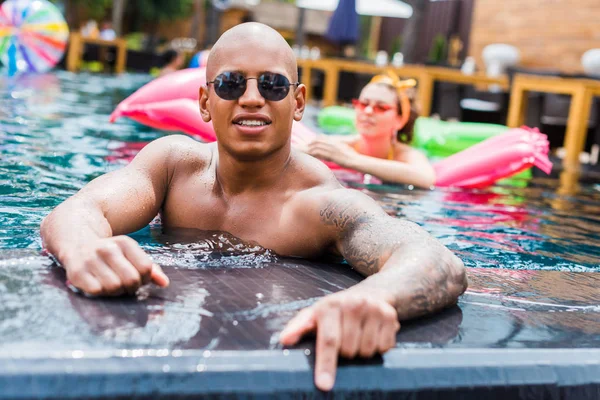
{"points": [[271, 86]]}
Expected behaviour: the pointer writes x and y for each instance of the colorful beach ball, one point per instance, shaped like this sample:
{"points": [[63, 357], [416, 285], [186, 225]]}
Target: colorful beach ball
{"points": [[33, 35], [199, 59]]}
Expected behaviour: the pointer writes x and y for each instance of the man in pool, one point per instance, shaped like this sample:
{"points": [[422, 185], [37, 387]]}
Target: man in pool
{"points": [[251, 184]]}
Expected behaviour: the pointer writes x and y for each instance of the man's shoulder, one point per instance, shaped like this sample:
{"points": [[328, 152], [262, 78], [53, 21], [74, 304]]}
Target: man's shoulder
{"points": [[341, 198], [174, 151], [313, 173], [323, 191], [182, 143]]}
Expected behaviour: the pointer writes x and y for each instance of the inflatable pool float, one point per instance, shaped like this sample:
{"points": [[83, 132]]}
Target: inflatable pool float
{"points": [[337, 120], [171, 103], [199, 59], [442, 139], [33, 36]]}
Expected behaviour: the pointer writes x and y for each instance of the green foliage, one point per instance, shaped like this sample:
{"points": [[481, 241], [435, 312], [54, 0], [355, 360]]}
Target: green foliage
{"points": [[437, 52], [92, 66], [363, 41], [162, 10], [96, 9], [135, 40]]}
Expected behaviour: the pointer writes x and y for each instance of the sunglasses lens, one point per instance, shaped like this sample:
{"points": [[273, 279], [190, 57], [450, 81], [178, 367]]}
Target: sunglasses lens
{"points": [[230, 85], [377, 108], [273, 87], [382, 108], [359, 105]]}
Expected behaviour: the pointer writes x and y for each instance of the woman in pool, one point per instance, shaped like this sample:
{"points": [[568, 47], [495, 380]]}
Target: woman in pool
{"points": [[173, 60], [385, 118]]}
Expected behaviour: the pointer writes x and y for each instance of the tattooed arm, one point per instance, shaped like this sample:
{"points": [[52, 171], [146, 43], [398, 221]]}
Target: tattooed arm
{"points": [[409, 274], [398, 256]]}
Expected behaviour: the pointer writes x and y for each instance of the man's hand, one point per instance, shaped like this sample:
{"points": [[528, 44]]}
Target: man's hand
{"points": [[331, 150], [111, 267], [350, 323]]}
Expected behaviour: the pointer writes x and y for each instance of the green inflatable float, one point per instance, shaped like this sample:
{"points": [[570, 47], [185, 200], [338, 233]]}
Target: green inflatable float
{"points": [[337, 120], [438, 139]]}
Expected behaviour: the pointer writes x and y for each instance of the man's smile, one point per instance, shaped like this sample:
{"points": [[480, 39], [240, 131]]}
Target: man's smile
{"points": [[251, 123]]}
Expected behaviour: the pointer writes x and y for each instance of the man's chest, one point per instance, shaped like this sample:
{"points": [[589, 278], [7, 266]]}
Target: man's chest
{"points": [[271, 221]]}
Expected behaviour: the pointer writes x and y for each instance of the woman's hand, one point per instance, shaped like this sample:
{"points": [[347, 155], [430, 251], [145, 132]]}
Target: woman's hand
{"points": [[330, 150]]}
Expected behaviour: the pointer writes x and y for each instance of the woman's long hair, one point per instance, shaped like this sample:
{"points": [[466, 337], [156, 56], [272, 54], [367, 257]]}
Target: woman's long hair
{"points": [[405, 134]]}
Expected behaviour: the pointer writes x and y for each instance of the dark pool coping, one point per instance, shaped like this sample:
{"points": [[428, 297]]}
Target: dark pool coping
{"points": [[455, 373]]}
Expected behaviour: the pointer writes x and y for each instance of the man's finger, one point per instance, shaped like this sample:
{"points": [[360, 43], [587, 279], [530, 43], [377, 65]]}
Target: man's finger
{"points": [[387, 336], [136, 256], [328, 346], [129, 275], [370, 336], [148, 270], [110, 281], [389, 328], [351, 333], [298, 326], [159, 277], [87, 284]]}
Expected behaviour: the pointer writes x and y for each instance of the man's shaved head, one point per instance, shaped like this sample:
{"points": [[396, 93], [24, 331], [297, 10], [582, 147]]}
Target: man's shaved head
{"points": [[252, 49], [252, 36]]}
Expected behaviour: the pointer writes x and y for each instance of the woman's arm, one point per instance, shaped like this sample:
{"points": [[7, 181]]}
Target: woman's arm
{"points": [[413, 169]]}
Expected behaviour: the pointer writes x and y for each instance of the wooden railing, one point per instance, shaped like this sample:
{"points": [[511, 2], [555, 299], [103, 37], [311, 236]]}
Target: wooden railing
{"points": [[77, 44]]}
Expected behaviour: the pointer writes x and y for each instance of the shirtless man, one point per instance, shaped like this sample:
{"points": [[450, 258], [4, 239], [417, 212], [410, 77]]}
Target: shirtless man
{"points": [[251, 184]]}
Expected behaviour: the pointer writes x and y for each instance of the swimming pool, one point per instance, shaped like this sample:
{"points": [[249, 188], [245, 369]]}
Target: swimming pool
{"points": [[55, 137]]}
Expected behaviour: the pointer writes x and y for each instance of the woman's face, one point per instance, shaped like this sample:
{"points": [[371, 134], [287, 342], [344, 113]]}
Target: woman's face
{"points": [[377, 111]]}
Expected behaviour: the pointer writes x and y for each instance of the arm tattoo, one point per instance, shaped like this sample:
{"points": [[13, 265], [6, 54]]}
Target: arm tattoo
{"points": [[356, 230], [340, 214], [436, 286], [423, 279]]}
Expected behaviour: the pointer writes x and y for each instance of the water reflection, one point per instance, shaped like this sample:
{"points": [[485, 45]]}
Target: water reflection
{"points": [[560, 306]]}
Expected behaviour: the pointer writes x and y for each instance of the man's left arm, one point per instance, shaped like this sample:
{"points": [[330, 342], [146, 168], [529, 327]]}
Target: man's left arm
{"points": [[400, 259], [409, 274]]}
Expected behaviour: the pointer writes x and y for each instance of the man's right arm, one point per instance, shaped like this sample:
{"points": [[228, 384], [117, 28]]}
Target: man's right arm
{"points": [[83, 233]]}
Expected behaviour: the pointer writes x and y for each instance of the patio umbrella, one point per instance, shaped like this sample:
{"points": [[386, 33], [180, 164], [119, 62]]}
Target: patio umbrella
{"points": [[344, 25], [375, 8]]}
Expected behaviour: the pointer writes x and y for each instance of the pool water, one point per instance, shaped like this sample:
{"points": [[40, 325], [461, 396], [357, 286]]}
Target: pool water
{"points": [[55, 137]]}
